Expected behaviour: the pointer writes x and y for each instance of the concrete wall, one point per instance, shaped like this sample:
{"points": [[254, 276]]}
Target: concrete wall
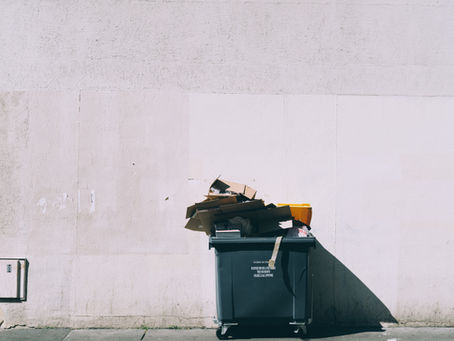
{"points": [[116, 115]]}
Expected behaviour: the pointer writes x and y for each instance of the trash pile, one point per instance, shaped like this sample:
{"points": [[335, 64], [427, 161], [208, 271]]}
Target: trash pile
{"points": [[232, 210]]}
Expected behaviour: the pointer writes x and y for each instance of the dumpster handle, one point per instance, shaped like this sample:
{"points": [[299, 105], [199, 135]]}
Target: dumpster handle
{"points": [[272, 261]]}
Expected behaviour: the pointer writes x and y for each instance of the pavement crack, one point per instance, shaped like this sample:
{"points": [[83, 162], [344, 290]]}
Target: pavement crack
{"points": [[66, 336]]}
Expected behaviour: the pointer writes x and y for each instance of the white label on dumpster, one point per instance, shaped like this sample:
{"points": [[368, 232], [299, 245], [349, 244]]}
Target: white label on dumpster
{"points": [[260, 269]]}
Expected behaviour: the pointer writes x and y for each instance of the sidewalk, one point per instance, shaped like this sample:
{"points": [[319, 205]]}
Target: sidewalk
{"points": [[391, 334]]}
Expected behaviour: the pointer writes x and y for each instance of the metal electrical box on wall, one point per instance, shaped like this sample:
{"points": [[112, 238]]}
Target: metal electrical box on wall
{"points": [[13, 279]]}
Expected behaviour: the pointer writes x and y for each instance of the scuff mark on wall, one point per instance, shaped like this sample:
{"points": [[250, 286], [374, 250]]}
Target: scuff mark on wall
{"points": [[60, 203], [92, 201], [42, 203], [65, 197], [78, 200]]}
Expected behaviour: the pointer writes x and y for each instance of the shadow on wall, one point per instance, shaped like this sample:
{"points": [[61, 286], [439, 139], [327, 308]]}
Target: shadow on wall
{"points": [[340, 299]]}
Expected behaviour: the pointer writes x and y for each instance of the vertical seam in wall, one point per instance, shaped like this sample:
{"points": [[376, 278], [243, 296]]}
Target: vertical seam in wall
{"points": [[335, 170], [285, 152], [77, 170], [336, 133], [77, 209]]}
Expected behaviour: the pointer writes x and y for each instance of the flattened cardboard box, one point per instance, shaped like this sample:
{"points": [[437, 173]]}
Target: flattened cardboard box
{"points": [[209, 204], [260, 216], [263, 219], [202, 220], [219, 188]]}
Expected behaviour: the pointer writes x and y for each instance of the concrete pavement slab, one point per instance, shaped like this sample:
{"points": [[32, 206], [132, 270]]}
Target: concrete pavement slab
{"points": [[105, 335], [183, 334], [31, 334], [420, 334], [390, 334]]}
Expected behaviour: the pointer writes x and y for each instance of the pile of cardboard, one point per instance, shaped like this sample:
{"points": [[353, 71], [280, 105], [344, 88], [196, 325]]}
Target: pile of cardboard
{"points": [[230, 206]]}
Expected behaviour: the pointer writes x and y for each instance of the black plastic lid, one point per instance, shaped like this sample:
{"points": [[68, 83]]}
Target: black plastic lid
{"points": [[306, 241]]}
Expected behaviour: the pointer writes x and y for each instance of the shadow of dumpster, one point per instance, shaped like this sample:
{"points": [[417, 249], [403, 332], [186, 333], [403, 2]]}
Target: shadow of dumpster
{"points": [[342, 302]]}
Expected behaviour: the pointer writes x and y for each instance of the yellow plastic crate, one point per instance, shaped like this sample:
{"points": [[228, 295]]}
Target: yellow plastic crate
{"points": [[301, 212]]}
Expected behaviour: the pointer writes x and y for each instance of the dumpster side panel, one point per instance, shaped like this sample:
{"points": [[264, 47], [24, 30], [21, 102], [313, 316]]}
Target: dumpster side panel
{"points": [[258, 291], [224, 299], [302, 299]]}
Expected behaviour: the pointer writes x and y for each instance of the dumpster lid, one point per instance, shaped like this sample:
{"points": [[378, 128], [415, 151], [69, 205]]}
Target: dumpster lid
{"points": [[306, 241]]}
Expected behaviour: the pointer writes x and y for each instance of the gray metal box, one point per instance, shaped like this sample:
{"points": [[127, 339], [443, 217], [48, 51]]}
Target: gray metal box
{"points": [[13, 278]]}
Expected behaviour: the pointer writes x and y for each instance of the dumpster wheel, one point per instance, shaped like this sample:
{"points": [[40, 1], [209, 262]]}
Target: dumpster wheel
{"points": [[222, 332], [300, 331]]}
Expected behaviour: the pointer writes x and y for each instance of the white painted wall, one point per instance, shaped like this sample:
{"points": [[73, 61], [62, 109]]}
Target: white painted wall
{"points": [[109, 108]]}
